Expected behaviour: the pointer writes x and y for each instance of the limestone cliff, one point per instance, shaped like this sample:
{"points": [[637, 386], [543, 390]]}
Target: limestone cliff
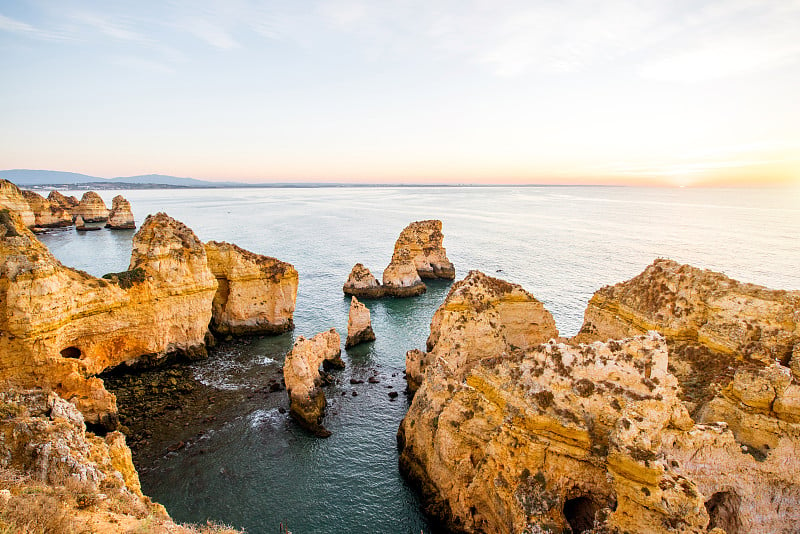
{"points": [[481, 317], [400, 278], [359, 325], [424, 239], [91, 208], [56, 477], [60, 327], [361, 283], [120, 217], [12, 199], [255, 294], [46, 214], [301, 372], [62, 201]]}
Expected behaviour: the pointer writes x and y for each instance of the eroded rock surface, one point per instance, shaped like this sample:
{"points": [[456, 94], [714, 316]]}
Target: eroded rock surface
{"points": [[12, 199], [361, 283], [359, 324], [62, 201], [423, 239], [255, 295], [91, 207], [400, 278], [120, 217], [301, 373], [46, 214]]}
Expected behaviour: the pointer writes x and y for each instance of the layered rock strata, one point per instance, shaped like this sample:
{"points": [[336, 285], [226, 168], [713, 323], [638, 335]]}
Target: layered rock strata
{"points": [[360, 283], [301, 373], [60, 327], [423, 239], [56, 477], [359, 325], [120, 217], [12, 199], [255, 294], [91, 208], [481, 317], [47, 215]]}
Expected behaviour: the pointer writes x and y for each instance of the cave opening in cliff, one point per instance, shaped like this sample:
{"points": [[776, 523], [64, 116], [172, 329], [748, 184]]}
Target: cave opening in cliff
{"points": [[723, 509], [580, 513], [71, 352]]}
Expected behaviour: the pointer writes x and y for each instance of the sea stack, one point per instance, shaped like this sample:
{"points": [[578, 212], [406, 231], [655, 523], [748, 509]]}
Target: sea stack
{"points": [[12, 198], [301, 372], [400, 278], [362, 284], [91, 208], [359, 325], [45, 213], [66, 202], [255, 294], [120, 217], [423, 239]]}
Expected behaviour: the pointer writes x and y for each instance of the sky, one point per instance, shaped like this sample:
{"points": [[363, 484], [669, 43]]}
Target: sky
{"points": [[680, 92]]}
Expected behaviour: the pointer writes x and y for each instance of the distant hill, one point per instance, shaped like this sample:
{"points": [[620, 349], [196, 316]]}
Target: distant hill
{"points": [[29, 177]]}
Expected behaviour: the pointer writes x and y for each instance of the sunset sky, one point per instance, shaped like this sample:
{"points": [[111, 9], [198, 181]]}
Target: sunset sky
{"points": [[683, 92]]}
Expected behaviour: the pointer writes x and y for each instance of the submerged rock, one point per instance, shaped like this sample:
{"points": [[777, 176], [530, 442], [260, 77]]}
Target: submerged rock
{"points": [[12, 199], [359, 325], [255, 294], [362, 284], [301, 372], [46, 214], [91, 208], [120, 217]]}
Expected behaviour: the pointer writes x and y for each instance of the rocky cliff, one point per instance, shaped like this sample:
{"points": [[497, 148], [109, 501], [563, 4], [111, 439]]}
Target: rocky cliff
{"points": [[301, 372], [91, 208], [60, 327], [56, 477], [359, 325], [360, 283], [120, 217], [423, 239], [47, 215], [12, 199], [489, 316], [255, 294], [574, 437], [62, 201]]}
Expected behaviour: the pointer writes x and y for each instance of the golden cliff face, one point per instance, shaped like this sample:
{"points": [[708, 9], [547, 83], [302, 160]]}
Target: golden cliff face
{"points": [[45, 213], [120, 217], [256, 294], [481, 317], [62, 201], [12, 199], [502, 437], [91, 208], [60, 327], [301, 372], [424, 239]]}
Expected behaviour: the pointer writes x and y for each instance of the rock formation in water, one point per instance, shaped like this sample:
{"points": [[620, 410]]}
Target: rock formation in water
{"points": [[481, 317], [62, 201], [362, 284], [120, 217], [12, 199], [91, 208], [359, 325], [255, 294], [400, 278], [301, 372], [557, 436], [61, 326], [423, 239], [56, 477], [46, 214]]}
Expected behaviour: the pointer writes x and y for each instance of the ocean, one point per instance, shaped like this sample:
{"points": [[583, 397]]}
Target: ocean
{"points": [[246, 464]]}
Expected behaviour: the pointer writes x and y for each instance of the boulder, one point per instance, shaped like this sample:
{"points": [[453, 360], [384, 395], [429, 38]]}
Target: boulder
{"points": [[91, 208], [301, 373], [362, 284], [120, 217], [359, 326], [255, 294], [12, 199]]}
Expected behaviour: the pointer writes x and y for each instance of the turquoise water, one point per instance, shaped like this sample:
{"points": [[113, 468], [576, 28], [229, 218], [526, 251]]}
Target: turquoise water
{"points": [[253, 468]]}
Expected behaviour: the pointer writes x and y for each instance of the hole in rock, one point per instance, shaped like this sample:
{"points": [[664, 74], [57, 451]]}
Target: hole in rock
{"points": [[723, 509], [71, 352], [580, 513]]}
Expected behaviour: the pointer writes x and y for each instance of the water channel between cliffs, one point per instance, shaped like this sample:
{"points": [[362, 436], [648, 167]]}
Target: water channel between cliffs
{"points": [[209, 438]]}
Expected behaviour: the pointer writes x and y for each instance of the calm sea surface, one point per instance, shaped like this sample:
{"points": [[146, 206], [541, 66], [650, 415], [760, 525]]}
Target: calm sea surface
{"points": [[254, 469]]}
